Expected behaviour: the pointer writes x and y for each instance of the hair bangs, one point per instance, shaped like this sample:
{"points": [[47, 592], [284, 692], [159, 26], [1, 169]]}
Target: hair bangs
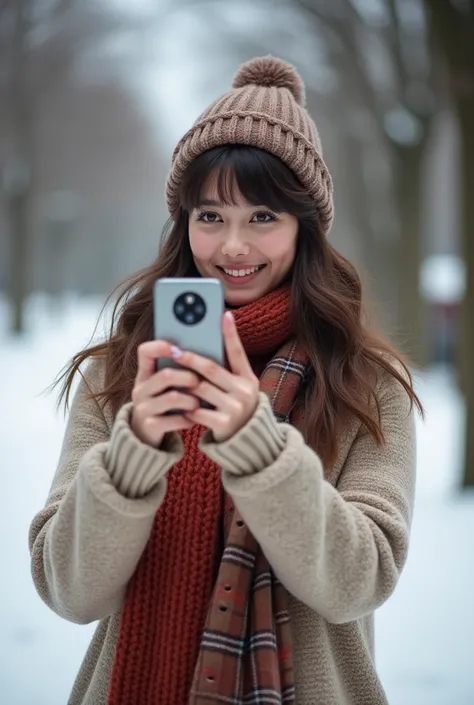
{"points": [[236, 172]]}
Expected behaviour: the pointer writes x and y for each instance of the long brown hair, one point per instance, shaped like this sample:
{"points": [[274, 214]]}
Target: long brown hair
{"points": [[346, 357]]}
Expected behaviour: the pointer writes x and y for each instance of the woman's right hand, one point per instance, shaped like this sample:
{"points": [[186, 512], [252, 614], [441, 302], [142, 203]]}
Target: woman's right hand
{"points": [[152, 397]]}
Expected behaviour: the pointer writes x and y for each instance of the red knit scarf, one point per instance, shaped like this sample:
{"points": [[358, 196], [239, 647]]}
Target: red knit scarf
{"points": [[167, 601]]}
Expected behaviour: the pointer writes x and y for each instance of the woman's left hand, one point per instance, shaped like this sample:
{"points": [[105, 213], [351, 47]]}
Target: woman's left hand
{"points": [[234, 393]]}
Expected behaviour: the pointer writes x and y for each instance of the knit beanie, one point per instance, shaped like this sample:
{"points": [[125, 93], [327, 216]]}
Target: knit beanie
{"points": [[265, 109]]}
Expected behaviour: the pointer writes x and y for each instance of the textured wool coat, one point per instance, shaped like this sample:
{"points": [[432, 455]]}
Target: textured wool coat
{"points": [[336, 539]]}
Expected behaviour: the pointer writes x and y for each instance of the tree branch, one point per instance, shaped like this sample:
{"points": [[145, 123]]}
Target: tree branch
{"points": [[54, 13], [396, 45], [61, 7], [343, 29]]}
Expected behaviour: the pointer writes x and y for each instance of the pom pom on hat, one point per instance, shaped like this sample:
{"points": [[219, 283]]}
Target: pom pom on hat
{"points": [[270, 71]]}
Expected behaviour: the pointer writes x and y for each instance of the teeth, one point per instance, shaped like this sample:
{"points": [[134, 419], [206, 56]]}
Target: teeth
{"points": [[241, 272]]}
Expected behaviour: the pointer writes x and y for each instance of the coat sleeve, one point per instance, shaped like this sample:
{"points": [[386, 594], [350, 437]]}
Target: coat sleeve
{"points": [[338, 550], [86, 542]]}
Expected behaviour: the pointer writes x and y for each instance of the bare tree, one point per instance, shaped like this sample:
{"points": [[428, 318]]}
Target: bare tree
{"points": [[40, 41], [453, 25], [22, 22], [385, 57]]}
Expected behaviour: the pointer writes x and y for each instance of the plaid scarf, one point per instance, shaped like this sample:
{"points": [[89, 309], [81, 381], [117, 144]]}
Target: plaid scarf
{"points": [[187, 637], [246, 655]]}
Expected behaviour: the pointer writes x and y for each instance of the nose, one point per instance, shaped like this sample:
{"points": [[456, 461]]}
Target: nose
{"points": [[234, 244]]}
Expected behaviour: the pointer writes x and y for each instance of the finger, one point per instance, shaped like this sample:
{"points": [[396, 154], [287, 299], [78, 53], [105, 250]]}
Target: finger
{"points": [[164, 379], [206, 368], [236, 355], [166, 424], [222, 401], [215, 420], [170, 401], [147, 354]]}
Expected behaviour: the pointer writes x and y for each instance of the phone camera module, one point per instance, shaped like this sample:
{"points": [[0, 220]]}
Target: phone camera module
{"points": [[189, 308]]}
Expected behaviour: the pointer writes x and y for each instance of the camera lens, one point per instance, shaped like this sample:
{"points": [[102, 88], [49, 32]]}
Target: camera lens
{"points": [[189, 308]]}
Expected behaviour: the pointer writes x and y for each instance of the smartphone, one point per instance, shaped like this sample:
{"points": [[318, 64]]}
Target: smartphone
{"points": [[188, 313]]}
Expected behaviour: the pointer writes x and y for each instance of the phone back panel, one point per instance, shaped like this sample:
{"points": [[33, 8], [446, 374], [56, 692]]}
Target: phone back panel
{"points": [[173, 304]]}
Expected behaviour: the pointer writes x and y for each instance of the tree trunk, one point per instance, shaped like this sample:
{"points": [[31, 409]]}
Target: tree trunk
{"points": [[374, 262], [17, 177], [408, 189], [465, 111], [17, 277]]}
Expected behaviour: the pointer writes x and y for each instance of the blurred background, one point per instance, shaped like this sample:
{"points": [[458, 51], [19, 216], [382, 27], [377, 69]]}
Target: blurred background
{"points": [[93, 98]]}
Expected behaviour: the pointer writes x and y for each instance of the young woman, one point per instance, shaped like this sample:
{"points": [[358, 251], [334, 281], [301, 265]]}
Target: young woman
{"points": [[236, 554]]}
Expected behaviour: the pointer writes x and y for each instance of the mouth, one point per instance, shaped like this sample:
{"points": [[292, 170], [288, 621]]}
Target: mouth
{"points": [[240, 274]]}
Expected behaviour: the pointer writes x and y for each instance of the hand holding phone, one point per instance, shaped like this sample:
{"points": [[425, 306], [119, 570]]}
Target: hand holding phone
{"points": [[153, 395], [191, 384], [188, 314]]}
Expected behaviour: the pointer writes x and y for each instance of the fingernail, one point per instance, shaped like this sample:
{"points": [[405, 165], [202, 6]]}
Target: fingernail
{"points": [[176, 353], [229, 316]]}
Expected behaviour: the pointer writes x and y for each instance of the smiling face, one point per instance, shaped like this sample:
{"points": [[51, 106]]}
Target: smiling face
{"points": [[250, 248]]}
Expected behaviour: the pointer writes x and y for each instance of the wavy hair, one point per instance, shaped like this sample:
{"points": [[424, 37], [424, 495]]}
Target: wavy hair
{"points": [[326, 296]]}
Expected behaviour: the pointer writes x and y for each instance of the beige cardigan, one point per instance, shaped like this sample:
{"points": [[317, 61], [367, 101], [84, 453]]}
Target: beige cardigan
{"points": [[338, 543]]}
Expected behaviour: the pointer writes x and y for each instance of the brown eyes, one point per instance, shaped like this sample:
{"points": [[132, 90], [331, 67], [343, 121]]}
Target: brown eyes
{"points": [[263, 217], [259, 217], [208, 217]]}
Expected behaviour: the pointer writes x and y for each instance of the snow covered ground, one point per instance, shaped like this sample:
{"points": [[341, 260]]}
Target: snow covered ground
{"points": [[424, 632]]}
